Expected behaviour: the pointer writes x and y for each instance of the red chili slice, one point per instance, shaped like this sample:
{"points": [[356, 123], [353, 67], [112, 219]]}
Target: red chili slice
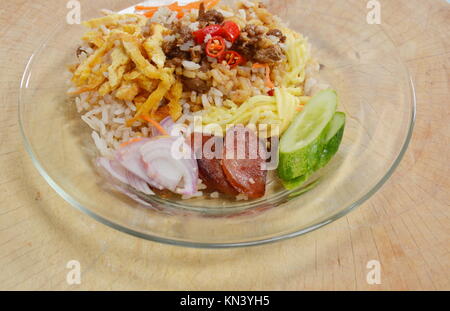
{"points": [[232, 58], [209, 167], [213, 30], [230, 31], [244, 171], [215, 47]]}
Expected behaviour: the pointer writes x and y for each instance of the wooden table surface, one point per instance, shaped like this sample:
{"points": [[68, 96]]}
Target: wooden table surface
{"points": [[405, 226]]}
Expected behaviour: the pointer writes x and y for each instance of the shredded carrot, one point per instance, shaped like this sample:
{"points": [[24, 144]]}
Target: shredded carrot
{"points": [[269, 82], [155, 124], [177, 8], [258, 65], [145, 8], [149, 14], [133, 140], [193, 5], [180, 13], [300, 107]]}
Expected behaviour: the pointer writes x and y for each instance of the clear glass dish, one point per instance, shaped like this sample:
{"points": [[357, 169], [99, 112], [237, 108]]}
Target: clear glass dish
{"points": [[359, 61]]}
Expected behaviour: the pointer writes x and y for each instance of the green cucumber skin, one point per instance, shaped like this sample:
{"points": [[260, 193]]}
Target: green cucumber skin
{"points": [[327, 152], [317, 153], [303, 161], [331, 147], [294, 183]]}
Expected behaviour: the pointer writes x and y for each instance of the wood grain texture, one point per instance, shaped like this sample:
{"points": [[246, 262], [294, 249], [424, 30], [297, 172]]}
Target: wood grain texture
{"points": [[405, 226]]}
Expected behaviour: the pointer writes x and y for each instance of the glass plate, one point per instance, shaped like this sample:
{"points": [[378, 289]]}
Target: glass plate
{"points": [[359, 60]]}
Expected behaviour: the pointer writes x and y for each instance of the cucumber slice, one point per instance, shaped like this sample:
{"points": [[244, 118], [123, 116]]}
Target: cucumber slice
{"points": [[302, 144], [294, 183], [335, 132], [333, 138]]}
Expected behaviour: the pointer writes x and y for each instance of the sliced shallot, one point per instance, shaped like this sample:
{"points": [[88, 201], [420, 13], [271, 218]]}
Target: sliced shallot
{"points": [[167, 124], [117, 171], [130, 158], [177, 174]]}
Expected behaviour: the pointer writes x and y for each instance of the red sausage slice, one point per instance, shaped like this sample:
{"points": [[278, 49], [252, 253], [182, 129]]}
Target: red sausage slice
{"points": [[242, 162], [210, 166]]}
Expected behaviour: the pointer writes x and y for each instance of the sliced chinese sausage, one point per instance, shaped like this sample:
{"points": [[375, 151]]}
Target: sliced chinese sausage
{"points": [[242, 163], [209, 166], [212, 175]]}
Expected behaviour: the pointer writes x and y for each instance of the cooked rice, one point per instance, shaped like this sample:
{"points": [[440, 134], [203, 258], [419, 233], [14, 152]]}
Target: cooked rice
{"points": [[107, 115]]}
